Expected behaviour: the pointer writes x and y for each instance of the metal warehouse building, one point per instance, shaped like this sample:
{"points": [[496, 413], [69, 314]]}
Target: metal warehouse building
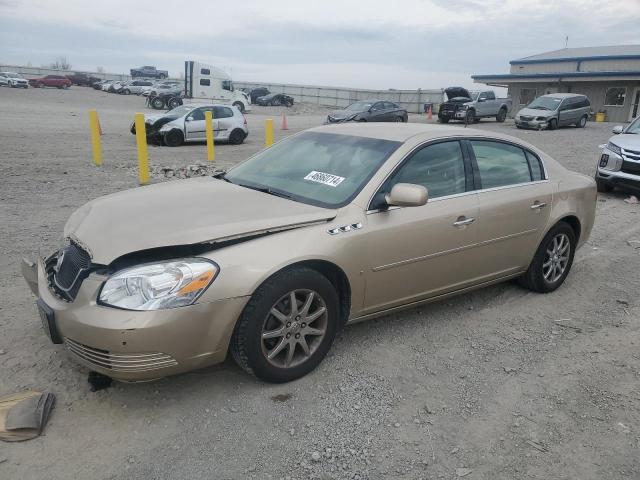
{"points": [[609, 76]]}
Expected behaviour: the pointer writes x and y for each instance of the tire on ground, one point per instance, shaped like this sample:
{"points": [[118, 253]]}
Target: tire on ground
{"points": [[534, 279], [173, 138], [246, 341], [237, 136]]}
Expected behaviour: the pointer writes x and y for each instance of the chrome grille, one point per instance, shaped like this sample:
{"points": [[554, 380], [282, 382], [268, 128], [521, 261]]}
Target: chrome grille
{"points": [[630, 167], [526, 118], [66, 269], [631, 154], [120, 362]]}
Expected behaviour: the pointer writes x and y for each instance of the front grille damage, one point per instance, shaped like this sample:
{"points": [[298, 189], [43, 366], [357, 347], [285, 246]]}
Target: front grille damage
{"points": [[120, 362], [66, 269]]}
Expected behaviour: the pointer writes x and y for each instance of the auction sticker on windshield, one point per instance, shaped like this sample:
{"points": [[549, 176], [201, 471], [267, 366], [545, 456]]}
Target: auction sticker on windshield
{"points": [[324, 178]]}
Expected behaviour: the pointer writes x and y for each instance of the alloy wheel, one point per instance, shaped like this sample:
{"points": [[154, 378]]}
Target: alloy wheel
{"points": [[294, 328], [556, 258]]}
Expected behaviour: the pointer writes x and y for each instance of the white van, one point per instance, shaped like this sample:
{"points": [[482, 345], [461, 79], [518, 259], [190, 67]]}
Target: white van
{"points": [[206, 82]]}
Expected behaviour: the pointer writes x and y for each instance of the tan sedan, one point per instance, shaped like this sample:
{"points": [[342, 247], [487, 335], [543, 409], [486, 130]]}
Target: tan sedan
{"points": [[333, 225]]}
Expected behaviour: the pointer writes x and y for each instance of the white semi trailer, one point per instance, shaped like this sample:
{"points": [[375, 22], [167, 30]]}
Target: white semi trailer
{"points": [[206, 82]]}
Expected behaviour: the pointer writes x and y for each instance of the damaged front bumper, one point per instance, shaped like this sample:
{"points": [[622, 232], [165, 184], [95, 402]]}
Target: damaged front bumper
{"points": [[133, 345]]}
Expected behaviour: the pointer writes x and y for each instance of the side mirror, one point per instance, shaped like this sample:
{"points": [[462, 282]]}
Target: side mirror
{"points": [[407, 195], [189, 118], [482, 99], [618, 129]]}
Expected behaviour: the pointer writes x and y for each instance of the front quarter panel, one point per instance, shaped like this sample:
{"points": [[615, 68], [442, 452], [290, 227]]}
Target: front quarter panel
{"points": [[245, 266]]}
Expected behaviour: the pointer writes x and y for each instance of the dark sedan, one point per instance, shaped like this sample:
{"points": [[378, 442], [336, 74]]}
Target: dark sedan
{"points": [[275, 100], [256, 93], [369, 111]]}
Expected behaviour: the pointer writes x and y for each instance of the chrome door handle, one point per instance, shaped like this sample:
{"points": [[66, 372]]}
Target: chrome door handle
{"points": [[537, 206], [462, 221]]}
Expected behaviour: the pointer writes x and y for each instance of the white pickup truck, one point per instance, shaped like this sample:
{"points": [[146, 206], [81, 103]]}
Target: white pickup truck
{"points": [[470, 107]]}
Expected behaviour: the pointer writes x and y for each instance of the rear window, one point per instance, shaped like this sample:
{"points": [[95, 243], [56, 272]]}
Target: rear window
{"points": [[500, 164]]}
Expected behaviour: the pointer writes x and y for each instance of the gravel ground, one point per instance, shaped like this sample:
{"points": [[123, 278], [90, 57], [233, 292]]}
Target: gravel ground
{"points": [[501, 383]]}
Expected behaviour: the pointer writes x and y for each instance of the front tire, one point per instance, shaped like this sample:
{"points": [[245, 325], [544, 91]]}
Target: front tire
{"points": [[553, 124], [444, 120], [470, 117], [126, 91], [287, 327], [173, 138], [553, 259]]}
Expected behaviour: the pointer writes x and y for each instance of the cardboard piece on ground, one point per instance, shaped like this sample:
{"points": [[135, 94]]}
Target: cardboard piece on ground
{"points": [[24, 415]]}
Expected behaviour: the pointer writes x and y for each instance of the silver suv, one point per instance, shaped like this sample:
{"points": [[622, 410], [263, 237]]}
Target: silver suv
{"points": [[555, 110], [619, 163]]}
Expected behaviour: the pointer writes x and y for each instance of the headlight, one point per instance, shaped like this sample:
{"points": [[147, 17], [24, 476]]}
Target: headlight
{"points": [[541, 119], [157, 286], [614, 148]]}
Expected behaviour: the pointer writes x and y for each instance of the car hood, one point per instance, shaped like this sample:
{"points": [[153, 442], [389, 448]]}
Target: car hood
{"points": [[628, 141], [534, 112], [454, 92], [182, 212]]}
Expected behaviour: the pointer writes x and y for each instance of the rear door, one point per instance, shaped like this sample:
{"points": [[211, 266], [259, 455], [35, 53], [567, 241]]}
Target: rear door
{"points": [[377, 112], [195, 123], [419, 252], [514, 204], [223, 120], [567, 112]]}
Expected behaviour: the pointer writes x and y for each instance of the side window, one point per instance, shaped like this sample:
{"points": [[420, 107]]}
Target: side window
{"points": [[222, 112], [390, 106], [482, 96], [377, 106], [537, 173], [491, 95], [198, 114], [205, 81], [566, 105], [227, 85], [205, 71], [500, 164], [439, 167]]}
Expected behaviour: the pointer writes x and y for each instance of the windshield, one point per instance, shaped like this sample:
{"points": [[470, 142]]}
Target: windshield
{"points": [[323, 169], [545, 103], [634, 127], [474, 95], [359, 106], [11, 75], [179, 111]]}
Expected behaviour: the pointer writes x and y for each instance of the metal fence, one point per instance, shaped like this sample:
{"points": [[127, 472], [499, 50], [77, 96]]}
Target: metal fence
{"points": [[412, 100], [34, 72]]}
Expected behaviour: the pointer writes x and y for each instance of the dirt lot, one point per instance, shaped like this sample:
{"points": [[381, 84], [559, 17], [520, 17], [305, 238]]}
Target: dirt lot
{"points": [[498, 384]]}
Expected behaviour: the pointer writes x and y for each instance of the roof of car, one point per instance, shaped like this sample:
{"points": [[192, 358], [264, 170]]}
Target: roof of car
{"points": [[563, 95], [401, 132]]}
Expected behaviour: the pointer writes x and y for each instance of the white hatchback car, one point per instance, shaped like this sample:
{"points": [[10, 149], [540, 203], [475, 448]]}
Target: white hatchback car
{"points": [[186, 123]]}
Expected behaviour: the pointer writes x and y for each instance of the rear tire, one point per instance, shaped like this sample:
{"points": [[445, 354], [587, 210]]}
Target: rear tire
{"points": [[582, 122], [173, 138], [502, 115], [553, 259], [157, 103], [267, 358], [237, 137], [602, 186], [174, 102], [126, 91]]}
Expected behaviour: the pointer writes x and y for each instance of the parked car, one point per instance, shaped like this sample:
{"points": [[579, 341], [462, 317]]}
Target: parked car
{"points": [[619, 164], [555, 110], [13, 80], [98, 85], [114, 87], [369, 111], [58, 81], [257, 93], [416, 213], [149, 72], [470, 107], [106, 85], [275, 100], [186, 123], [174, 88], [82, 79], [135, 87]]}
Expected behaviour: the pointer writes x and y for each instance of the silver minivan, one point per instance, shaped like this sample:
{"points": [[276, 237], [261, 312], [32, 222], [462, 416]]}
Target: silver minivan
{"points": [[555, 110]]}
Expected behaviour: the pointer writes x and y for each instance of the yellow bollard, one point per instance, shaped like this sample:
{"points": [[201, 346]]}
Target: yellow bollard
{"points": [[143, 155], [268, 132], [94, 124], [208, 125]]}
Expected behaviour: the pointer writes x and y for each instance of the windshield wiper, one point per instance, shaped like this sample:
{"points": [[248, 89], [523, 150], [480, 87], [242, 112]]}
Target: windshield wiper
{"points": [[268, 190], [540, 107]]}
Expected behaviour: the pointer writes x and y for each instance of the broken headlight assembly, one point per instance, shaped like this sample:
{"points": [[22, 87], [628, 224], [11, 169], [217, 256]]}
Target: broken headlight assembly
{"points": [[159, 286], [614, 148]]}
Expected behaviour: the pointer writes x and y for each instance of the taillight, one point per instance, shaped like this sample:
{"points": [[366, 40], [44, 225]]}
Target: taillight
{"points": [[245, 119]]}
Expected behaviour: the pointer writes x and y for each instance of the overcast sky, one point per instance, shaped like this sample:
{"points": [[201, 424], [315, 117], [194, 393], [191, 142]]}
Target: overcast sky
{"points": [[367, 43]]}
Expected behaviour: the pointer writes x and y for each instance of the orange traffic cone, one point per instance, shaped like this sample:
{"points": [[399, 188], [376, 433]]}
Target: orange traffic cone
{"points": [[100, 127], [285, 125], [430, 113]]}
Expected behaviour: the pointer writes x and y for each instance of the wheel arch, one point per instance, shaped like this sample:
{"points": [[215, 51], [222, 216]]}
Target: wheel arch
{"points": [[331, 272], [574, 223]]}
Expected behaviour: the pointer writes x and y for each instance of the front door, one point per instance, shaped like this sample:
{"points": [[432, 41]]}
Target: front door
{"points": [[635, 104], [419, 252], [514, 206], [195, 124]]}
